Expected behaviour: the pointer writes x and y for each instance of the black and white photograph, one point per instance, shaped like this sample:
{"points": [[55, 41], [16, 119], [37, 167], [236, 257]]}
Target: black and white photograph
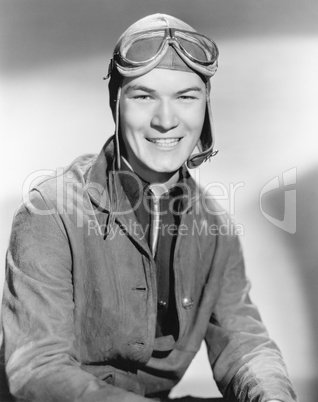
{"points": [[159, 179]]}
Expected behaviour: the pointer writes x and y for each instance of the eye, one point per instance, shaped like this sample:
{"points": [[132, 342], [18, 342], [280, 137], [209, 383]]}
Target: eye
{"points": [[142, 97], [187, 97]]}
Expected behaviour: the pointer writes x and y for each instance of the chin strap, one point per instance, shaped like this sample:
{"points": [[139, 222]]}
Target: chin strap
{"points": [[117, 144]]}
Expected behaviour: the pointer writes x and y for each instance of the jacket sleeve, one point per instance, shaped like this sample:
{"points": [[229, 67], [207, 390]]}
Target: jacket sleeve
{"points": [[38, 325], [246, 364]]}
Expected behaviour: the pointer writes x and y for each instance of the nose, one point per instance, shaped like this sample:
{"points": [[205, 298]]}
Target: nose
{"points": [[165, 118]]}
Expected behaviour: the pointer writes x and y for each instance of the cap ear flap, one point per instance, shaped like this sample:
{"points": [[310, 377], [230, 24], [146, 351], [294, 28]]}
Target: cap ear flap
{"points": [[114, 83], [206, 135], [206, 141]]}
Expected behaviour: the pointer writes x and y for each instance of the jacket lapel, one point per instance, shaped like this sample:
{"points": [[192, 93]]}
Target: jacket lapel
{"points": [[106, 193]]}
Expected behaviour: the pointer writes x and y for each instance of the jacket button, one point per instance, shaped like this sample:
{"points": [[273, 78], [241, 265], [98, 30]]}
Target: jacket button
{"points": [[162, 304], [187, 303]]}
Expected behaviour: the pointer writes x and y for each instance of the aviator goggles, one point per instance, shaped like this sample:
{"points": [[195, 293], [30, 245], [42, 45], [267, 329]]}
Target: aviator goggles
{"points": [[140, 52]]}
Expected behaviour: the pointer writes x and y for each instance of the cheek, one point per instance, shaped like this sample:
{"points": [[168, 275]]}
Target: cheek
{"points": [[132, 120], [127, 124], [195, 120]]}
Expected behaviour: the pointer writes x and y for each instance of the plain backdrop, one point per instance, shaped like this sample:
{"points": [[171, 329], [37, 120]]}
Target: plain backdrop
{"points": [[54, 107]]}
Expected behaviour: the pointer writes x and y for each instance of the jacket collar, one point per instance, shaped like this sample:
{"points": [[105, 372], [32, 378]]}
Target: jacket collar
{"points": [[97, 179]]}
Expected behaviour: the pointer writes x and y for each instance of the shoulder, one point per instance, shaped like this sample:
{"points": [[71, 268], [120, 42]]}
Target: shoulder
{"points": [[52, 183], [45, 191], [75, 172]]}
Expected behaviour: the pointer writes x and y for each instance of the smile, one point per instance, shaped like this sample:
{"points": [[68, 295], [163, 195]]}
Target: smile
{"points": [[164, 142]]}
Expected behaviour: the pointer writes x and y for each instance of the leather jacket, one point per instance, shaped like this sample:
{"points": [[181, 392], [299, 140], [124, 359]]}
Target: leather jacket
{"points": [[80, 298]]}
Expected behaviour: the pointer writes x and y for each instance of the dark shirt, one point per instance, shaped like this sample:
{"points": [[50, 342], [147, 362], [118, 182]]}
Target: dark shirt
{"points": [[170, 205]]}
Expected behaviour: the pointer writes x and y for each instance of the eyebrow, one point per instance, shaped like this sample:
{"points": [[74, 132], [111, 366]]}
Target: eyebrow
{"points": [[183, 91], [151, 91], [139, 88]]}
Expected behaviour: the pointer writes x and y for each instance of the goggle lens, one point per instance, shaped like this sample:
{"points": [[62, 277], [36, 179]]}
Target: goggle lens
{"points": [[199, 47], [143, 49]]}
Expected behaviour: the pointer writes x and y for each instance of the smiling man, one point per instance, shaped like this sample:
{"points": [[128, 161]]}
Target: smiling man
{"points": [[112, 281], [161, 119]]}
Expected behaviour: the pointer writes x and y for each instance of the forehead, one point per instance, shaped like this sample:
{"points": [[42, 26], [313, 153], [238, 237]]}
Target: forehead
{"points": [[164, 80]]}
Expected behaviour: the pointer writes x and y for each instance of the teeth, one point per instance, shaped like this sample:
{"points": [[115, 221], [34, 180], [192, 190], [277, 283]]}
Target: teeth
{"points": [[166, 142]]}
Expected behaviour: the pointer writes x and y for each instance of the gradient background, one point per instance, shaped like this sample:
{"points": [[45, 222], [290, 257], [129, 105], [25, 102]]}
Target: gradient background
{"points": [[54, 107]]}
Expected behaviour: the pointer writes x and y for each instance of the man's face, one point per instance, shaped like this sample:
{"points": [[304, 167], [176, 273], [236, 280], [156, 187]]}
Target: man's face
{"points": [[161, 119]]}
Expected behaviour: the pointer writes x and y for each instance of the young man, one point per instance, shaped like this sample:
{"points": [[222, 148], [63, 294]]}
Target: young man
{"points": [[111, 285]]}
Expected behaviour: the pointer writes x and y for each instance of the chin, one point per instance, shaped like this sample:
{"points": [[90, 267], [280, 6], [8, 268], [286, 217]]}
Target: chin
{"points": [[167, 169], [166, 166]]}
